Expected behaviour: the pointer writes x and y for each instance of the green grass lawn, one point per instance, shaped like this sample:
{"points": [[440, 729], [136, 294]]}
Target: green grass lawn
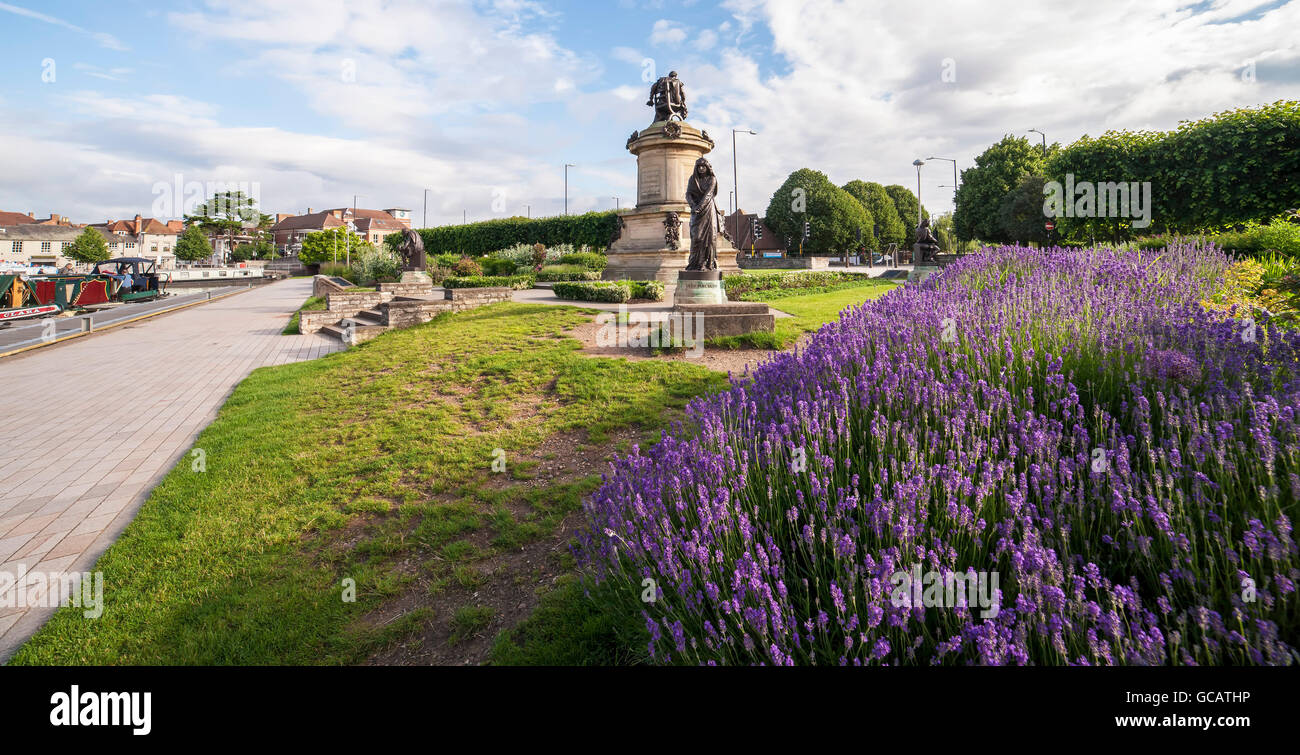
{"points": [[372, 464], [375, 465], [312, 303], [810, 311]]}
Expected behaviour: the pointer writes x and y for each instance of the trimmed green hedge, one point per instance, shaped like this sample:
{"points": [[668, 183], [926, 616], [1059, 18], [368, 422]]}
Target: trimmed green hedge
{"points": [[568, 275], [517, 282], [589, 260], [610, 291], [593, 229], [744, 283]]}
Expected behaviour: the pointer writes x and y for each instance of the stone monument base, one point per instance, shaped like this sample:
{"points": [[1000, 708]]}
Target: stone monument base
{"points": [[729, 319], [699, 287], [416, 276], [921, 272]]}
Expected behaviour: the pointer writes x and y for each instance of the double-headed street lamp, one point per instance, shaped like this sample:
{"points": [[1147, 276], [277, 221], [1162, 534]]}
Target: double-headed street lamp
{"points": [[735, 175]]}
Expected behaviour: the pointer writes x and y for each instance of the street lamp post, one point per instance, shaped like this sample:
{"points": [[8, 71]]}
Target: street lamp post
{"points": [[918, 163], [566, 186], [1040, 133], [347, 247], [735, 174], [616, 207], [426, 208]]}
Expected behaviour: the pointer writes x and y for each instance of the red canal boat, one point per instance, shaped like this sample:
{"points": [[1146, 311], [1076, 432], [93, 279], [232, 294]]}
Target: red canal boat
{"points": [[115, 281]]}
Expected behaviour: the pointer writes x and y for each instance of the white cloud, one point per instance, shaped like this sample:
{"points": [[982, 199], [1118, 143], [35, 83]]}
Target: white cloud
{"points": [[105, 40], [706, 40], [669, 33], [864, 105]]}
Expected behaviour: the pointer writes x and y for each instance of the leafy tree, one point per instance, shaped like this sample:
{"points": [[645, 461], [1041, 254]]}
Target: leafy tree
{"points": [[884, 214], [906, 204], [945, 232], [193, 245], [329, 246], [89, 247], [260, 249], [835, 216], [997, 171], [227, 213], [1235, 167], [1020, 215]]}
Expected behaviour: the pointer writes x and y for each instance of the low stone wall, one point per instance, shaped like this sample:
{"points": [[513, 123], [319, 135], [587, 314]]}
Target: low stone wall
{"points": [[321, 286], [785, 263], [468, 298], [424, 288], [310, 321], [352, 302], [404, 313]]}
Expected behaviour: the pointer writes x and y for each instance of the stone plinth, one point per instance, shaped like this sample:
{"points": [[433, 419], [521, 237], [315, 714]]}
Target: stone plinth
{"points": [[919, 273], [699, 287], [785, 263], [730, 319], [645, 250]]}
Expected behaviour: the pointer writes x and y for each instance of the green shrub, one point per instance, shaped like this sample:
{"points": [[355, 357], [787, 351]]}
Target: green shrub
{"points": [[567, 273], [497, 266], [610, 291], [373, 265], [605, 291], [588, 260], [446, 259], [593, 229], [467, 268], [517, 282], [649, 290], [339, 270], [745, 283], [1280, 236]]}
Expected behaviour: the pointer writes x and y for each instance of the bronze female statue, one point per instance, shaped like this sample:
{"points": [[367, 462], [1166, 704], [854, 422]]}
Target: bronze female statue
{"points": [[700, 193]]}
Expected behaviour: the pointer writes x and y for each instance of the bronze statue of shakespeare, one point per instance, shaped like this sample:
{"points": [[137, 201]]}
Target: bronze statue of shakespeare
{"points": [[411, 250], [668, 98], [701, 191]]}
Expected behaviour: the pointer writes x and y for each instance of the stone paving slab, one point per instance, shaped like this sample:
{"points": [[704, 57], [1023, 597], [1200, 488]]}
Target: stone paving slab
{"points": [[95, 423]]}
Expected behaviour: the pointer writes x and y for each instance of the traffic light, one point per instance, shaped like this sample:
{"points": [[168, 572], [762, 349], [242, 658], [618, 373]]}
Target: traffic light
{"points": [[807, 229], [758, 229]]}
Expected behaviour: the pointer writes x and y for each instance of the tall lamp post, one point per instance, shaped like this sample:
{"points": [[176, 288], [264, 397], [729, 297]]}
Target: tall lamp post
{"points": [[735, 175], [348, 245], [918, 163], [426, 208], [566, 186], [616, 206], [1040, 133]]}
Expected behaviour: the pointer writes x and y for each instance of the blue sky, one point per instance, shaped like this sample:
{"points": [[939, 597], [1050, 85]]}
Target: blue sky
{"points": [[483, 102]]}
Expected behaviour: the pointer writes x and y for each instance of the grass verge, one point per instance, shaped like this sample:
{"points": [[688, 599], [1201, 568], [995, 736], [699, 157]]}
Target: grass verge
{"points": [[344, 506], [312, 303], [809, 312]]}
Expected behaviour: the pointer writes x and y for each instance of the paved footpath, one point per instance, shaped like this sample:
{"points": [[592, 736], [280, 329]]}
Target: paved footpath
{"points": [[92, 425]]}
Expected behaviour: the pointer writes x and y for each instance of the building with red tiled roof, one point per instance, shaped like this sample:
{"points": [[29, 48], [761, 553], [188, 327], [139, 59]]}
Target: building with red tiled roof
{"points": [[143, 237], [371, 225], [18, 218]]}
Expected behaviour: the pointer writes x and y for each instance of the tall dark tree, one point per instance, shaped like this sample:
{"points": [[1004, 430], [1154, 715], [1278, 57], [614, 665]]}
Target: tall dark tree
{"points": [[906, 204], [884, 213], [997, 171], [808, 196]]}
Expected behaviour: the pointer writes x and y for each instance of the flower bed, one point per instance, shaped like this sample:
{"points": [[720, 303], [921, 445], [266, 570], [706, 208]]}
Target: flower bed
{"points": [[1117, 463], [518, 282]]}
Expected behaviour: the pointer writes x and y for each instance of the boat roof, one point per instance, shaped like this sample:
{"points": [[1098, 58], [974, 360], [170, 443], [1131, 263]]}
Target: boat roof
{"points": [[126, 259]]}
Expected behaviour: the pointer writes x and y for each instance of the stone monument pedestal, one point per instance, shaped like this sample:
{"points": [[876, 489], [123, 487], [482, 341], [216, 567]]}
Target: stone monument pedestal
{"points": [[700, 295], [655, 238], [920, 272], [699, 287], [416, 276]]}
